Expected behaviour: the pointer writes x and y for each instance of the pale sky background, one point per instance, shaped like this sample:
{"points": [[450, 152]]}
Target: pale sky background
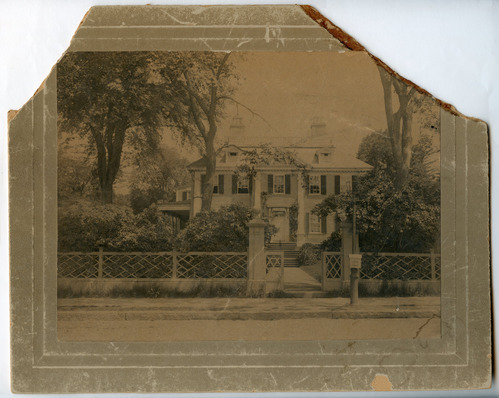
{"points": [[289, 89]]}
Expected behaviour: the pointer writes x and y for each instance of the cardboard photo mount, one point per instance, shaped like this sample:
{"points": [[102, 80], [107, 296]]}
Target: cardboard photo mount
{"points": [[461, 358]]}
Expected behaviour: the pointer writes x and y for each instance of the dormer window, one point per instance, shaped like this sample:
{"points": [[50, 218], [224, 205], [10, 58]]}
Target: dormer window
{"points": [[324, 157]]}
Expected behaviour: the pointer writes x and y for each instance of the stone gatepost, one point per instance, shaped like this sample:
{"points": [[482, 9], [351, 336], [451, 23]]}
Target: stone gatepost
{"points": [[256, 257]]}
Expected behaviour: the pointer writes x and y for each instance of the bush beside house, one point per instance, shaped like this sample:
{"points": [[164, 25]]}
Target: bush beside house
{"points": [[86, 226], [223, 230]]}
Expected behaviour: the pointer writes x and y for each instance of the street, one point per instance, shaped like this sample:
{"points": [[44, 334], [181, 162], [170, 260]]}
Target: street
{"points": [[171, 319]]}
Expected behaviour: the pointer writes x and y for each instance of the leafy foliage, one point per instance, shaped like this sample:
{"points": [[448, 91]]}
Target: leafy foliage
{"points": [[389, 219], [157, 177], [309, 254], [76, 177], [223, 230], [101, 97], [85, 226], [332, 243], [201, 83]]}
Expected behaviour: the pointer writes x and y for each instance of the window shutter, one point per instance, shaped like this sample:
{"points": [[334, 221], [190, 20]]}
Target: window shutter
{"points": [[234, 184], [337, 183], [323, 185], [324, 225], [221, 184], [287, 184], [270, 179], [307, 223]]}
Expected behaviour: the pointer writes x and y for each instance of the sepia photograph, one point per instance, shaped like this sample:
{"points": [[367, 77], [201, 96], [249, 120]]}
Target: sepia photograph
{"points": [[243, 198], [207, 195]]}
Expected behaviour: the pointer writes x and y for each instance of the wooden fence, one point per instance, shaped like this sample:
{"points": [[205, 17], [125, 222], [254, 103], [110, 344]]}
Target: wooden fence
{"points": [[138, 265], [415, 270]]}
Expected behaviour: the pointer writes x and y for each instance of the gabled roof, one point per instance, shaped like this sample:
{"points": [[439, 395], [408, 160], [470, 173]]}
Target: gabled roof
{"points": [[305, 154]]}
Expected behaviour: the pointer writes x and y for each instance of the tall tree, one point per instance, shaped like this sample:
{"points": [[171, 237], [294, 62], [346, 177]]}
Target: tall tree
{"points": [[390, 219], [399, 122], [109, 98], [202, 83]]}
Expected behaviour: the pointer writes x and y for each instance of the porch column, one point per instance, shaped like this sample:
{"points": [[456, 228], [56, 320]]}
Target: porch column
{"points": [[257, 267], [300, 231], [197, 195]]}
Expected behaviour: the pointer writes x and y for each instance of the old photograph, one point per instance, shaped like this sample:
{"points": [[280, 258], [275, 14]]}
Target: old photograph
{"points": [[252, 198], [245, 196]]}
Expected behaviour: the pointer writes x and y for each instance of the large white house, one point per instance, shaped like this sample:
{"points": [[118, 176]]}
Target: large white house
{"points": [[278, 188]]}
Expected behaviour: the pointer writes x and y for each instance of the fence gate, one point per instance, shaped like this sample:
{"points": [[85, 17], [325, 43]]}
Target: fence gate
{"points": [[274, 275]]}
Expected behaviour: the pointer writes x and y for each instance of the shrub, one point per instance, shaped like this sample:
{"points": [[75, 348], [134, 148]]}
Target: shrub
{"points": [[332, 243], [85, 226], [224, 230], [309, 254], [146, 231]]}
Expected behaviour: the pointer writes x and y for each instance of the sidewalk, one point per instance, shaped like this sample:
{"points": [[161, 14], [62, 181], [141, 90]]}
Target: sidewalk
{"points": [[109, 309]]}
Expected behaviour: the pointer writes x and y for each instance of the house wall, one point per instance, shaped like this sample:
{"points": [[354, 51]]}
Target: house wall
{"points": [[296, 190]]}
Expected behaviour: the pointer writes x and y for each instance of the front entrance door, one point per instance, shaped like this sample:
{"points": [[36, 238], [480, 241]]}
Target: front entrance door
{"points": [[279, 217]]}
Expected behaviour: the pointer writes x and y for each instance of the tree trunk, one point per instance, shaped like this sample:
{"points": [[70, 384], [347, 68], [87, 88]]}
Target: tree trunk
{"points": [[399, 125], [209, 181], [106, 192]]}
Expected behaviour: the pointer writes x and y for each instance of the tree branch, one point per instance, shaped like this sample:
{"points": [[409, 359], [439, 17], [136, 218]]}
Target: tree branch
{"points": [[226, 97]]}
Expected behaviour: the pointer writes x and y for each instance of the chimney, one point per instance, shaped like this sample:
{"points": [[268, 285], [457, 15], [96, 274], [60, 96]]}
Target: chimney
{"points": [[318, 127], [236, 129]]}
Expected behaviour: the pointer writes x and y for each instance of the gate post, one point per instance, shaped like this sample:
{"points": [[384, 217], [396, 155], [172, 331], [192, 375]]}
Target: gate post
{"points": [[256, 257], [347, 249], [100, 263]]}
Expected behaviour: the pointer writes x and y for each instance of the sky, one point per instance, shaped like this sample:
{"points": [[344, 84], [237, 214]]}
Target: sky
{"points": [[290, 89]]}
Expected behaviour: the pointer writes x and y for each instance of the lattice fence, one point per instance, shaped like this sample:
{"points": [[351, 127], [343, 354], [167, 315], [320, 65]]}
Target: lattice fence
{"points": [[212, 265], [152, 265], [137, 265], [401, 266], [274, 260], [77, 265], [333, 264]]}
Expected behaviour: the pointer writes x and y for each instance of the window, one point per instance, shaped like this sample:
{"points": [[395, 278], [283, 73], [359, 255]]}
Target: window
{"points": [[232, 155], [279, 184], [314, 185], [324, 157], [315, 223], [218, 183], [185, 195], [243, 185]]}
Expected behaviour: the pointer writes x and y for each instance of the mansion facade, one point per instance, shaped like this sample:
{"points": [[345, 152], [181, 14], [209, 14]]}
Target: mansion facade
{"points": [[281, 191]]}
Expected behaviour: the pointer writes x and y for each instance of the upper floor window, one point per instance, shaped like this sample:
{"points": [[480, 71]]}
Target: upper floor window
{"points": [[243, 185], [279, 184], [218, 183], [315, 185], [185, 195]]}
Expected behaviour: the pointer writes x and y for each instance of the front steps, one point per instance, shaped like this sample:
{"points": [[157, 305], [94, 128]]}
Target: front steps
{"points": [[290, 252]]}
